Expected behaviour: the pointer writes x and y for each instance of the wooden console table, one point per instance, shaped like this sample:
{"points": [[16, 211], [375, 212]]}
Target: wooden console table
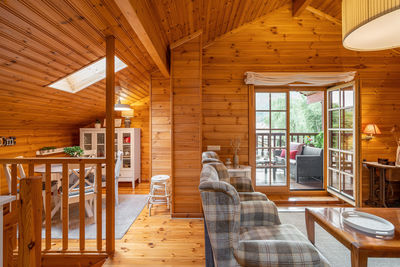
{"points": [[373, 167], [360, 245]]}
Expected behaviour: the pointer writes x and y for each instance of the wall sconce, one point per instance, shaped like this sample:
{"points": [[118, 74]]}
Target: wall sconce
{"points": [[371, 130]]}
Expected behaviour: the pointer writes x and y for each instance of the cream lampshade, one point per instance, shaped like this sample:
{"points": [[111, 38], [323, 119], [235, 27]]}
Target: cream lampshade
{"points": [[371, 130], [370, 25]]}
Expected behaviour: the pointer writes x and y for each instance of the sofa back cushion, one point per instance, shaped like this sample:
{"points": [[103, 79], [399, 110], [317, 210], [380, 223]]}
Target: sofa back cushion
{"points": [[221, 170], [307, 150], [209, 156], [296, 146]]}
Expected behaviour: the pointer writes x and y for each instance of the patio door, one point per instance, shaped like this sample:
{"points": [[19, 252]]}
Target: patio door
{"points": [[342, 141], [271, 130]]}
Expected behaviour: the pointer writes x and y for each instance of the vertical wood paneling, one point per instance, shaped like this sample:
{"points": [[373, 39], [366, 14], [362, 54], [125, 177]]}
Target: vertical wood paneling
{"points": [[160, 125], [281, 43], [141, 120], [186, 127]]}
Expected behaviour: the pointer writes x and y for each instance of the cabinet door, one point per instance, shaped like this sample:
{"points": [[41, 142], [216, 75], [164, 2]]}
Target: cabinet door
{"points": [[101, 144], [127, 140], [88, 141]]}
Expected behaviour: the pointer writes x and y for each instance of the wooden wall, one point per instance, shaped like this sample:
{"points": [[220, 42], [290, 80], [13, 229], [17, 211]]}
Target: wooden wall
{"points": [[29, 140], [160, 125], [280, 42], [186, 127], [141, 120]]}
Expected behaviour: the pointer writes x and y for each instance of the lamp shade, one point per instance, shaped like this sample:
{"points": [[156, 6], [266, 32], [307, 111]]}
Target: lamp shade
{"points": [[372, 129], [127, 113], [370, 25], [120, 106]]}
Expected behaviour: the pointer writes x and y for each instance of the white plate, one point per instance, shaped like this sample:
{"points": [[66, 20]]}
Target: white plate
{"points": [[368, 223]]}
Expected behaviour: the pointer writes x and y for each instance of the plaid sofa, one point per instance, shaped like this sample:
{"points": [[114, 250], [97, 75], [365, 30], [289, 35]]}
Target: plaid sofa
{"points": [[249, 233], [242, 185], [209, 156]]}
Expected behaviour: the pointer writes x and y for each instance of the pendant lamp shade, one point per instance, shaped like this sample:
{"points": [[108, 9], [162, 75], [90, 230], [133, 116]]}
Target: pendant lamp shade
{"points": [[370, 25]]}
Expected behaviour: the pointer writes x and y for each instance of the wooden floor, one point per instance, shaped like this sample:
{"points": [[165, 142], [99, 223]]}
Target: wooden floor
{"points": [[159, 240]]}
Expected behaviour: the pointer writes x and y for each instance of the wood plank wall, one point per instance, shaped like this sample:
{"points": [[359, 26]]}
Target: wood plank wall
{"points": [[160, 125], [29, 140], [186, 127], [282, 43], [141, 120]]}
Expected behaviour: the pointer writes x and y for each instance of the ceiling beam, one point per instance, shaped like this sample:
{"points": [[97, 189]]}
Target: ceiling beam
{"points": [[298, 6], [321, 14], [139, 15]]}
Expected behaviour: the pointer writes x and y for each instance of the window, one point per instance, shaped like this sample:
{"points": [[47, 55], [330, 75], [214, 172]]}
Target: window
{"points": [[341, 160], [86, 76]]}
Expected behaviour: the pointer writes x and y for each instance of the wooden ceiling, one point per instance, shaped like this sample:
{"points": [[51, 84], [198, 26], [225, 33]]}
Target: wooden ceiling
{"points": [[180, 18], [43, 41]]}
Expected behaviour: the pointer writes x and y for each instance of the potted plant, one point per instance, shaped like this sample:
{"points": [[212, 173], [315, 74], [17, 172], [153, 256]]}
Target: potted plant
{"points": [[97, 125], [47, 149], [73, 151]]}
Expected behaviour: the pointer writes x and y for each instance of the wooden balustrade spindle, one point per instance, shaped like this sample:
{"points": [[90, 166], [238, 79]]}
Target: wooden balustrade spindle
{"points": [[99, 206], [82, 206], [65, 206], [48, 205]]}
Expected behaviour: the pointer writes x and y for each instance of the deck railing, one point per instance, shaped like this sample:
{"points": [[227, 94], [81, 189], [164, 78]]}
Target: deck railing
{"points": [[277, 139], [83, 163]]}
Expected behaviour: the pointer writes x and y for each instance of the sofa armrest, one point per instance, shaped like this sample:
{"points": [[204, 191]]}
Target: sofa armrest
{"points": [[277, 253], [258, 213], [242, 184], [251, 196]]}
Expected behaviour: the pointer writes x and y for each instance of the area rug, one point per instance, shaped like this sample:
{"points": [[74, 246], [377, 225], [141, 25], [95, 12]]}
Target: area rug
{"points": [[337, 254], [126, 212]]}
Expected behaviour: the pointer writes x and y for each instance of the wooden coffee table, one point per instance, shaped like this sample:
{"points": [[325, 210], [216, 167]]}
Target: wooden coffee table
{"points": [[361, 245]]}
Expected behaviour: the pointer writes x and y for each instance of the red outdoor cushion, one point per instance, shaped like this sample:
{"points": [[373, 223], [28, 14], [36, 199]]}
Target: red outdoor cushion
{"points": [[283, 153], [293, 154]]}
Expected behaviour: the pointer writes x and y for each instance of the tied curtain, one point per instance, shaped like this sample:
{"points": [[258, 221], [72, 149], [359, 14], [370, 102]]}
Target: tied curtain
{"points": [[298, 78]]}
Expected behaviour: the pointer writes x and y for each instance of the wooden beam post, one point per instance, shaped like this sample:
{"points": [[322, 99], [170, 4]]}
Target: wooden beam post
{"points": [[298, 6], [30, 222], [110, 102], [138, 15]]}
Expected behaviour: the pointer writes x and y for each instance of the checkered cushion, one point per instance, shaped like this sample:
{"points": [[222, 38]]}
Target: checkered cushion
{"points": [[242, 184], [221, 170], [249, 196], [258, 213], [209, 156]]}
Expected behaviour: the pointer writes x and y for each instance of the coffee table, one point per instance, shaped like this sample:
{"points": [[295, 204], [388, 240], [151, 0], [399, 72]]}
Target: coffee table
{"points": [[360, 245]]}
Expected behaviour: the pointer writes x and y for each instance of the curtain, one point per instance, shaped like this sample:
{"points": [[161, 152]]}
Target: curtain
{"points": [[298, 78]]}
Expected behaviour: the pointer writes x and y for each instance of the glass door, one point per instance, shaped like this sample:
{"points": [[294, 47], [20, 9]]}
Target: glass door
{"points": [[126, 150], [87, 141], [271, 138], [101, 145], [341, 140]]}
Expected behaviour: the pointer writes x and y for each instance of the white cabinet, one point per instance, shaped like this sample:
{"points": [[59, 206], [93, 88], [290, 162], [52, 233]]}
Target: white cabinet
{"points": [[126, 139]]}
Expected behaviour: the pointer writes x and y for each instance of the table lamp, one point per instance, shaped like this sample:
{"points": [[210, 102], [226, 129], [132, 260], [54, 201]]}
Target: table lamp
{"points": [[127, 114], [371, 129]]}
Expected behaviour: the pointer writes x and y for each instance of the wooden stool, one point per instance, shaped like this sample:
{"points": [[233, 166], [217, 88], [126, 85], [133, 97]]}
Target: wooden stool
{"points": [[159, 191]]}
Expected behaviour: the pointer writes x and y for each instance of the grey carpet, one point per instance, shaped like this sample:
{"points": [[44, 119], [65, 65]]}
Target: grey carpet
{"points": [[128, 209], [337, 254]]}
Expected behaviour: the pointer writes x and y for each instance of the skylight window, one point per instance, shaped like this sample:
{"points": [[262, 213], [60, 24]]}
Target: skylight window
{"points": [[86, 76]]}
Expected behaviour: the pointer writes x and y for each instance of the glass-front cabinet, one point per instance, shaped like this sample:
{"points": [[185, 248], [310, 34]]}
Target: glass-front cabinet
{"points": [[126, 140]]}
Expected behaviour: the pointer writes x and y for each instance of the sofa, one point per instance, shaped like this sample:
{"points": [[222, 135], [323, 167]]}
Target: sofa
{"points": [[249, 233], [308, 161]]}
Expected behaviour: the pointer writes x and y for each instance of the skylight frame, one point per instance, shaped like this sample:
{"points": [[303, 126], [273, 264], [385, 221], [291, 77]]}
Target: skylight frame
{"points": [[86, 76]]}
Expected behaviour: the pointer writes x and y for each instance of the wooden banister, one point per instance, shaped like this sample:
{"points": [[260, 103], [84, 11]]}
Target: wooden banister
{"points": [[65, 207], [30, 222]]}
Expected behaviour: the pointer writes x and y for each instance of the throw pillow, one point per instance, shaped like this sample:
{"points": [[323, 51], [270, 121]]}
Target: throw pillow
{"points": [[283, 153], [293, 154]]}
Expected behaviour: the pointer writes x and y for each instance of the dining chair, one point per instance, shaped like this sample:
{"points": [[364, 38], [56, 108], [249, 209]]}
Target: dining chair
{"points": [[118, 165]]}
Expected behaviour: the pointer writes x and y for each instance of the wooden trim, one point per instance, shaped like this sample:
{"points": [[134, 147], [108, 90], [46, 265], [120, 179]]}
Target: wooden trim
{"points": [[252, 133], [32, 161], [185, 39], [151, 128], [287, 140], [138, 15], [187, 215], [201, 104], [325, 125], [358, 120], [298, 6], [110, 147], [172, 139], [321, 14]]}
